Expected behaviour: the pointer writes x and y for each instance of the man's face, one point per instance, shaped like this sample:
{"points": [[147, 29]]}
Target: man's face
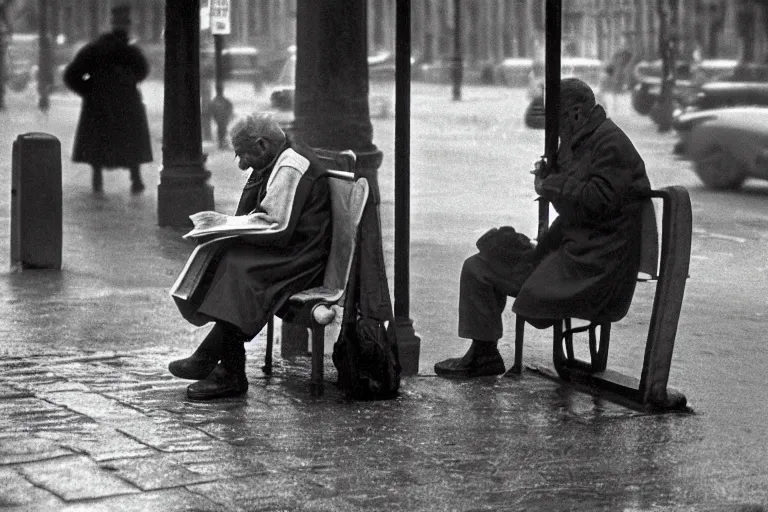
{"points": [[258, 157], [569, 119]]}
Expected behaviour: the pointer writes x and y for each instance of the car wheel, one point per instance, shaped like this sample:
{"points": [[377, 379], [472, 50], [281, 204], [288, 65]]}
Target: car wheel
{"points": [[718, 169]]}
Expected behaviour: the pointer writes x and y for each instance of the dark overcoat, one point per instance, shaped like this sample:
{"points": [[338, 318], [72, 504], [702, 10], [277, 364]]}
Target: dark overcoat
{"points": [[591, 253], [252, 281], [113, 129]]}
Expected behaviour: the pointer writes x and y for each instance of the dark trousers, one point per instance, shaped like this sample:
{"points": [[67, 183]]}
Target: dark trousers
{"points": [[98, 180], [486, 282]]}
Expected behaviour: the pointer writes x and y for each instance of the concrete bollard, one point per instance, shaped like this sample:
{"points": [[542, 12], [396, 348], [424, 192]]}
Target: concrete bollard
{"points": [[36, 205]]}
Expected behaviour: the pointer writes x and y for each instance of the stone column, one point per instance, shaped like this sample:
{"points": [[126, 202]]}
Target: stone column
{"points": [[331, 98], [183, 188]]}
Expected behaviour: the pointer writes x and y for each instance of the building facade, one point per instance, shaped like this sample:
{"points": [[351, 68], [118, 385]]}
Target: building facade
{"points": [[491, 30]]}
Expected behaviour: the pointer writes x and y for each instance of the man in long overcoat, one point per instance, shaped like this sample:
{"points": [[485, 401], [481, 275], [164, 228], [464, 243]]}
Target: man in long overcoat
{"points": [[586, 265], [113, 130], [254, 276]]}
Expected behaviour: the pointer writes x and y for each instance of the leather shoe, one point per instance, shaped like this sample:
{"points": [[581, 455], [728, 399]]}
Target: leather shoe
{"points": [[194, 367], [479, 366], [221, 383]]}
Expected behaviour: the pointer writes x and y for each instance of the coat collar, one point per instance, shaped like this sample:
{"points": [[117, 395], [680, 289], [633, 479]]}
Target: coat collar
{"points": [[596, 117]]}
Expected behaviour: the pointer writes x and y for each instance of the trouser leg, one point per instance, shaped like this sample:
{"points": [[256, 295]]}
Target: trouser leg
{"points": [[483, 290], [137, 185], [97, 180]]}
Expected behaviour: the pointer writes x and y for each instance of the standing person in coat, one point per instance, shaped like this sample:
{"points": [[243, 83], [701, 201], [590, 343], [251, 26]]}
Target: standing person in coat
{"points": [[254, 277], [113, 130], [586, 266]]}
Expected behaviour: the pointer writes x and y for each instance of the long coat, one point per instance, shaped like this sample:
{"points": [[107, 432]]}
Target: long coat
{"points": [[253, 280], [591, 253], [113, 129]]}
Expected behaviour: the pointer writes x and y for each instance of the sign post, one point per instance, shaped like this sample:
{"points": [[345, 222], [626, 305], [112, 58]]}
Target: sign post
{"points": [[221, 107]]}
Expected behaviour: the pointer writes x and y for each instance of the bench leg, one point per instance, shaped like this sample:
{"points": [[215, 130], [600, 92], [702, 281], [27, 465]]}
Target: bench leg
{"points": [[318, 347], [517, 368], [559, 358], [599, 355], [267, 368]]}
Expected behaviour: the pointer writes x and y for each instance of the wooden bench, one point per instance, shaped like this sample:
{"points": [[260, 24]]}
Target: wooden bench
{"points": [[669, 270], [314, 308]]}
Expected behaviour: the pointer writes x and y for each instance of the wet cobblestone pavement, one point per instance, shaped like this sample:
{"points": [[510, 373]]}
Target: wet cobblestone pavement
{"points": [[90, 419], [113, 431]]}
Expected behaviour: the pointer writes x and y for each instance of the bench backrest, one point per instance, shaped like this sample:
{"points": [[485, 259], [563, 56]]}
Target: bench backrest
{"points": [[649, 243], [348, 199]]}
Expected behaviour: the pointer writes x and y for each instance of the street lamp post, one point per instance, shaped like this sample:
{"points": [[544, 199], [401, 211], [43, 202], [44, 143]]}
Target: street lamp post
{"points": [[5, 33], [221, 108], [45, 59], [457, 56], [331, 108], [183, 188]]}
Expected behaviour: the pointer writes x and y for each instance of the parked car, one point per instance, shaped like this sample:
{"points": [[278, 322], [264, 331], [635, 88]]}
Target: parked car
{"points": [[687, 80], [380, 66], [727, 94], [727, 146], [23, 55], [586, 69], [239, 63]]}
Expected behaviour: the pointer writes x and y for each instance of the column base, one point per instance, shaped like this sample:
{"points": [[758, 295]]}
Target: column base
{"points": [[177, 200], [408, 346]]}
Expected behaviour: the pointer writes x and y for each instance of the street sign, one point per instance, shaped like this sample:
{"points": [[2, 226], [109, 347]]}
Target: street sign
{"points": [[220, 14], [205, 14]]}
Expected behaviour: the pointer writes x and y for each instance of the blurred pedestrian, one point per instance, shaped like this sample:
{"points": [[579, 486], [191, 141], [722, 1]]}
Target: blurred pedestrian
{"points": [[113, 131], [285, 205], [586, 265]]}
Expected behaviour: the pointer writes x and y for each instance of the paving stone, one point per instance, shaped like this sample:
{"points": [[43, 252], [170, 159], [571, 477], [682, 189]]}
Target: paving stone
{"points": [[16, 449], [150, 473], [100, 442], [170, 500], [75, 478], [169, 436], [94, 406], [16, 491], [275, 491]]}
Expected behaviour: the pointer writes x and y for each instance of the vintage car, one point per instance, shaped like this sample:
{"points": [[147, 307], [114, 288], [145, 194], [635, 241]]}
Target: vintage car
{"points": [[240, 63], [589, 70], [380, 66], [22, 60], [746, 85], [688, 78], [727, 146]]}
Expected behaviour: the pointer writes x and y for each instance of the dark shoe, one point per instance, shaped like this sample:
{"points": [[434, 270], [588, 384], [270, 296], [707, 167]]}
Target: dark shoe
{"points": [[221, 383], [479, 366], [194, 367], [200, 364], [137, 187]]}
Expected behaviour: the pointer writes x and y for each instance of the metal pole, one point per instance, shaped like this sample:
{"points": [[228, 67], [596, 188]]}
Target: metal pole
{"points": [[458, 64], [218, 46], [44, 72], [5, 33], [552, 23], [402, 157]]}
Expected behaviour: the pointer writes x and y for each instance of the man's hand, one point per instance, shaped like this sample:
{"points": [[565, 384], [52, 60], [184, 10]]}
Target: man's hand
{"points": [[539, 173]]}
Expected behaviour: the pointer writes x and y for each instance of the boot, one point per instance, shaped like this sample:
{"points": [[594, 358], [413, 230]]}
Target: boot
{"points": [[202, 362], [97, 180], [137, 185], [482, 359], [227, 379]]}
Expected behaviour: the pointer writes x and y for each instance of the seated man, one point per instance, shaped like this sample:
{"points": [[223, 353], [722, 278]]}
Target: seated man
{"points": [[253, 277], [586, 265]]}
